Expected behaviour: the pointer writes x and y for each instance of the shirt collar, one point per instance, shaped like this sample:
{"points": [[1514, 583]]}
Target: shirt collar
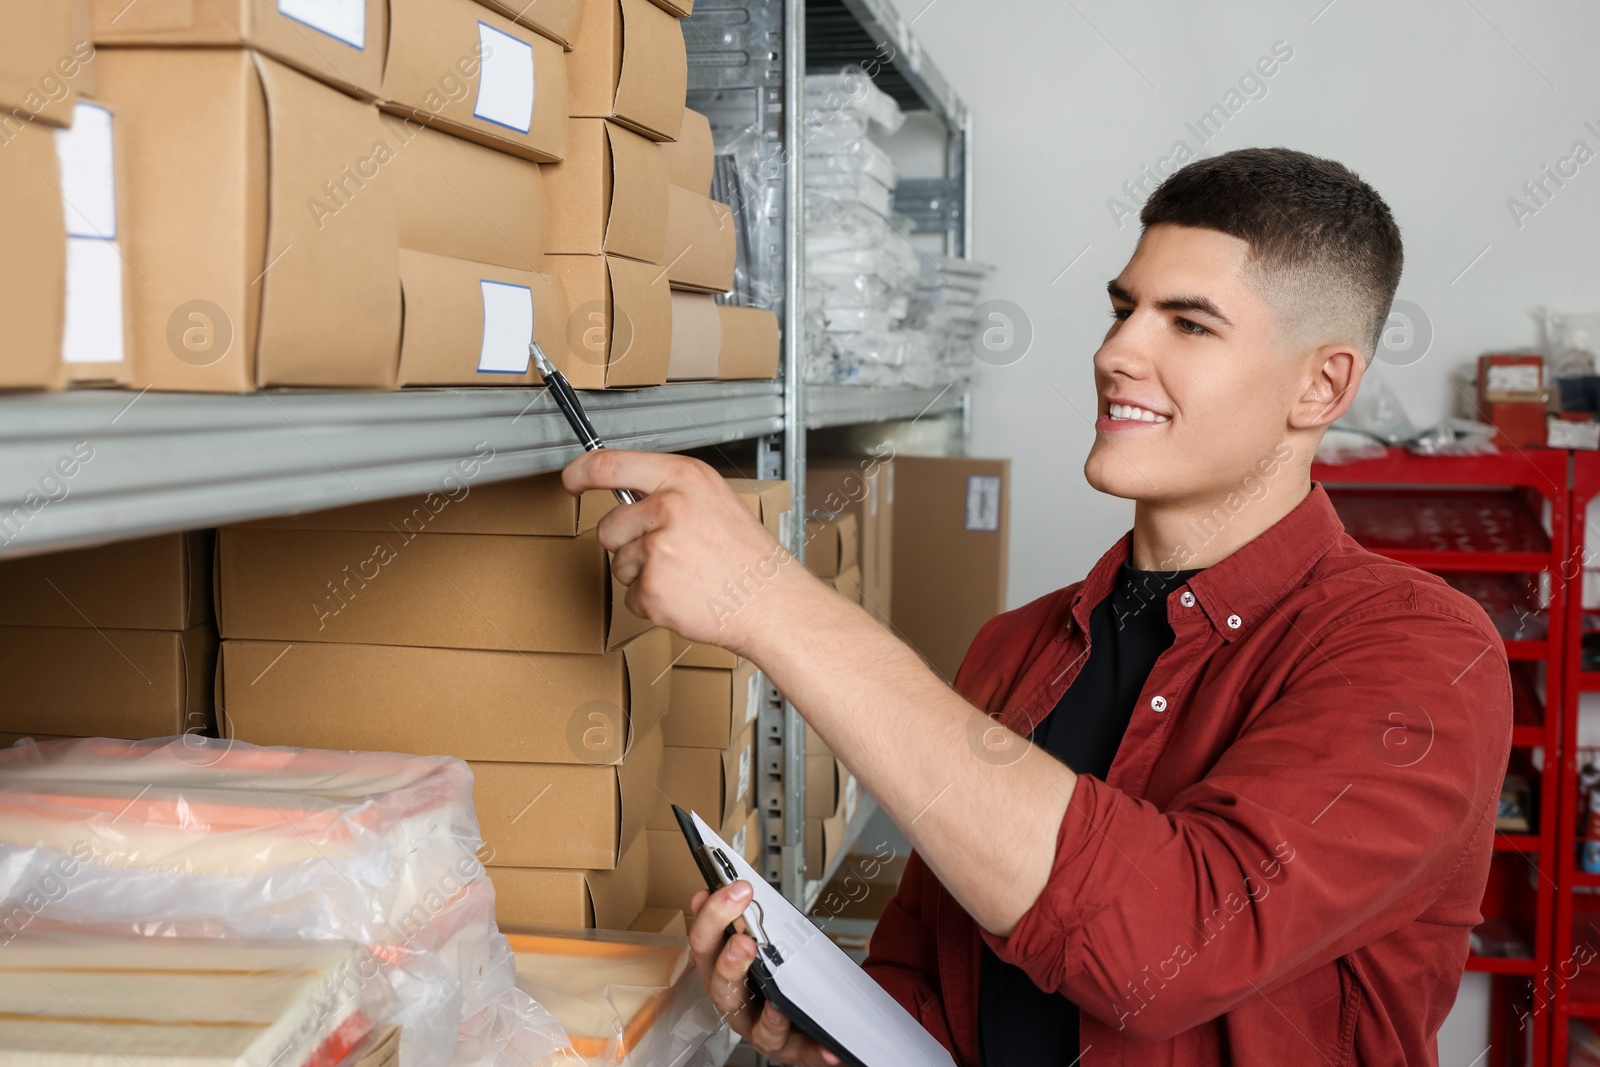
{"points": [[1240, 590]]}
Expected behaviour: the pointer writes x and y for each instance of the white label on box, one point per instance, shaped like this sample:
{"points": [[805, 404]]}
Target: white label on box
{"points": [[851, 795], [752, 703], [983, 502], [874, 487], [738, 839], [507, 328], [94, 302], [505, 88], [744, 773], [344, 19], [888, 485], [88, 173], [785, 528], [1514, 378], [1563, 433]]}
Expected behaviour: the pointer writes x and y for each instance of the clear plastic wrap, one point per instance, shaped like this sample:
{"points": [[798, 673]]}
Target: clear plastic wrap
{"points": [[196, 838], [852, 92]]}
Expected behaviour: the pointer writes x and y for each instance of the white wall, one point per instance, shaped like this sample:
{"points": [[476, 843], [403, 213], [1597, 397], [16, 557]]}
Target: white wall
{"points": [[1446, 106]]}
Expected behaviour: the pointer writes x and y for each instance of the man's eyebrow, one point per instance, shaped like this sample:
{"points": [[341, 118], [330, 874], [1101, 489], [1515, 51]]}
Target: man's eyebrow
{"points": [[1200, 304], [1117, 292]]}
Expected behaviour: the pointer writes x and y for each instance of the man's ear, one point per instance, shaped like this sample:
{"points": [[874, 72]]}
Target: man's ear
{"points": [[1336, 372]]}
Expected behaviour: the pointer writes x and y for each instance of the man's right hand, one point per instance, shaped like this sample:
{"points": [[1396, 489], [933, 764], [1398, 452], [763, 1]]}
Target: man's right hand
{"points": [[724, 964]]}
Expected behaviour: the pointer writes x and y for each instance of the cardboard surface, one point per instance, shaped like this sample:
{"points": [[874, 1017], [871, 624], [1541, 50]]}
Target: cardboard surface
{"points": [[824, 778], [824, 839], [521, 594], [769, 500], [833, 545], [556, 19], [41, 64], [949, 553], [701, 247], [667, 921], [695, 654], [620, 325], [711, 707], [713, 782], [750, 344], [691, 159], [849, 585], [551, 815], [609, 195], [254, 273], [470, 323], [85, 682], [674, 876], [711, 341], [628, 63], [460, 199], [458, 66], [34, 268], [512, 707], [862, 486], [152, 583], [677, 8], [581, 900], [339, 44]]}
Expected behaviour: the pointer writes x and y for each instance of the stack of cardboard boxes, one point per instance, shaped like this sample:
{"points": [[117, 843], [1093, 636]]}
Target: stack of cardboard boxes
{"points": [[862, 488], [115, 641]]}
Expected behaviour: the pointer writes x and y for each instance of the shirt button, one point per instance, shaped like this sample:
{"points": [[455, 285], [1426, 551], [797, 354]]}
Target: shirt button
{"points": [[1234, 622], [1186, 599], [1158, 703]]}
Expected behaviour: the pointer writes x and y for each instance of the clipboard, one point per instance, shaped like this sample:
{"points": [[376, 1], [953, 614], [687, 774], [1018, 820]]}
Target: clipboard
{"points": [[808, 978]]}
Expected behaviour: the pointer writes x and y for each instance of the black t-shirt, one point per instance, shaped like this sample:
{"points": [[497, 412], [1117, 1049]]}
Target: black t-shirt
{"points": [[1019, 1024]]}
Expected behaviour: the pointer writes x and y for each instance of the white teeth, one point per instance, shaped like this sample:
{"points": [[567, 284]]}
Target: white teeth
{"points": [[1138, 414]]}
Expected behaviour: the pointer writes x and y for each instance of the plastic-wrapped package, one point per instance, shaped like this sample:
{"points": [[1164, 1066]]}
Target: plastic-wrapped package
{"points": [[852, 91], [190, 837], [862, 158], [1570, 343], [625, 999]]}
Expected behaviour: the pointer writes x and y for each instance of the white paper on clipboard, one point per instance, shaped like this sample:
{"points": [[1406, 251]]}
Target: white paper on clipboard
{"points": [[826, 984]]}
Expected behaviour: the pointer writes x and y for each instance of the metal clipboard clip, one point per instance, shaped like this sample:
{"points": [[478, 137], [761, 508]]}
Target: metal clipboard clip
{"points": [[755, 928]]}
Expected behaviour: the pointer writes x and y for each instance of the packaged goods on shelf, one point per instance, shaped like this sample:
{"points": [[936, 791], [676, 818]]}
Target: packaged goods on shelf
{"points": [[341, 44], [628, 63], [675, 877], [458, 66], [691, 159], [623, 998], [619, 329], [574, 899], [833, 544], [861, 487], [44, 59], [850, 94], [469, 323], [825, 781], [224, 840], [34, 270], [701, 244], [243, 286], [866, 272], [660, 921], [825, 835], [609, 196], [942, 334], [716, 783], [76, 999], [711, 340], [556, 19], [711, 706]]}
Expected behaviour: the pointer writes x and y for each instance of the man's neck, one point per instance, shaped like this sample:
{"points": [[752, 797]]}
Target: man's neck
{"points": [[1199, 533]]}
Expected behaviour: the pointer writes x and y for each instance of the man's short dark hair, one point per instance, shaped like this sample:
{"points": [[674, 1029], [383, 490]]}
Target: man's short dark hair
{"points": [[1322, 240]]}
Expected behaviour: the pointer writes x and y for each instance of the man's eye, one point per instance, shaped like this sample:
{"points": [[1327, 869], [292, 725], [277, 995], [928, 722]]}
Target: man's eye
{"points": [[1189, 326], [1121, 313]]}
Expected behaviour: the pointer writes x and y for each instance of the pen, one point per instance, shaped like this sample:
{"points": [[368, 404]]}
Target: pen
{"points": [[567, 400]]}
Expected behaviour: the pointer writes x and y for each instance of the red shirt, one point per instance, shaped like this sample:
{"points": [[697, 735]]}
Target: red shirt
{"points": [[1295, 836]]}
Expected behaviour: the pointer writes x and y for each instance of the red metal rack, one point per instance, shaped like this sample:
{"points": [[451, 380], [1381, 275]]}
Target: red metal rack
{"points": [[1499, 528]]}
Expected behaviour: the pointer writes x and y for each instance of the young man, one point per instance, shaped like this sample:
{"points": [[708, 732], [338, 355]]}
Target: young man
{"points": [[1254, 822]]}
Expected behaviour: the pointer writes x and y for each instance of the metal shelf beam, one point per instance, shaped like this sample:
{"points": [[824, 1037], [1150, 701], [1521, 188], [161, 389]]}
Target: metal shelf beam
{"points": [[872, 35], [167, 461], [846, 405]]}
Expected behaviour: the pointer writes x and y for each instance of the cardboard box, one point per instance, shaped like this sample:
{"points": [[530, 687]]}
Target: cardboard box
{"points": [[497, 592], [270, 256], [94, 343], [42, 59], [469, 323], [33, 270], [79, 67], [951, 530], [710, 341], [340, 42], [862, 486], [768, 500], [676, 8], [509, 707], [620, 324], [1517, 423], [824, 839], [555, 815], [582, 900], [609, 195], [701, 242], [1510, 377], [152, 583], [667, 921], [556, 19], [629, 64], [459, 199], [711, 707], [849, 585], [675, 877], [692, 159], [88, 682], [1578, 433], [696, 654], [457, 66], [833, 544], [815, 745], [824, 779], [712, 782]]}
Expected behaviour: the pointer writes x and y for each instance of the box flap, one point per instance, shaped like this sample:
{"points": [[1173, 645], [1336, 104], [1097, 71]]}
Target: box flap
{"points": [[691, 159], [536, 505], [589, 322], [34, 268], [198, 649], [677, 8], [695, 654], [637, 227], [707, 709], [330, 312], [655, 71], [641, 316], [637, 790], [470, 323], [696, 337], [616, 897], [456, 65], [541, 896], [625, 625], [749, 346], [667, 921], [556, 19], [456, 198], [595, 61], [700, 241], [579, 189], [649, 668]]}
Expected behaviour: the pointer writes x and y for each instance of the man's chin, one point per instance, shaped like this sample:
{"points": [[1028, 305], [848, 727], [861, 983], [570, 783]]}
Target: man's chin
{"points": [[1111, 472]]}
